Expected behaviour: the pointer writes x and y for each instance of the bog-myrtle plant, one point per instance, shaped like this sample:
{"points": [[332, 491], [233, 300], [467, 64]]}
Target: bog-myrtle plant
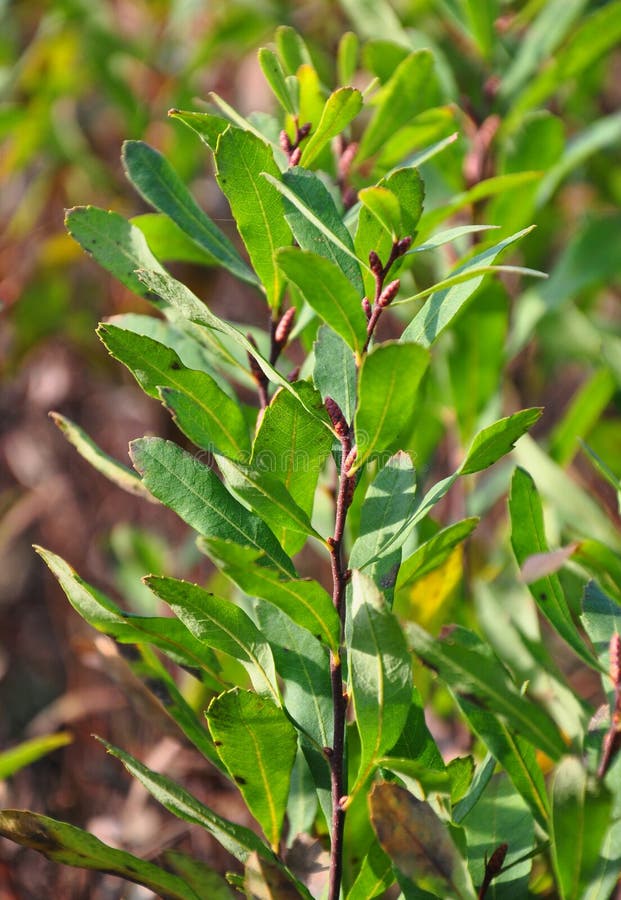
{"points": [[321, 727]]}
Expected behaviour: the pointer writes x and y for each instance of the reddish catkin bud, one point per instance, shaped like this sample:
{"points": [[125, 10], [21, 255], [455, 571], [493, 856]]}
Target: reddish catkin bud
{"points": [[389, 293], [375, 263], [368, 309], [337, 418], [293, 375], [403, 245], [348, 494], [347, 158], [304, 131], [295, 157], [283, 329], [285, 141], [494, 863], [615, 660]]}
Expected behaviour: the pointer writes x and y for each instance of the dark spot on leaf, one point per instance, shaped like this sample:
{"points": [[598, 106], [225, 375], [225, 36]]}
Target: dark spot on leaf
{"points": [[175, 364], [160, 690], [240, 779], [542, 596], [217, 743]]}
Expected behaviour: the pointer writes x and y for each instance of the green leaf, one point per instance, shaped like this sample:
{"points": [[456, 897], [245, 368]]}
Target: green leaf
{"points": [[158, 183], [302, 599], [117, 473], [116, 245], [401, 98], [461, 277], [315, 197], [418, 842], [516, 755], [291, 48], [257, 744], [241, 159], [66, 844], [347, 57], [528, 538], [196, 494], [384, 205], [444, 305], [220, 625], [264, 880], [387, 507], [602, 880], [375, 876], [381, 674], [329, 292], [238, 840], [448, 236], [388, 386], [482, 19], [208, 126], [298, 200], [496, 440], [169, 635], [199, 876], [269, 497], [22, 755], [304, 667], [201, 409], [335, 374], [168, 242], [291, 447], [435, 551], [340, 108], [275, 77], [469, 668], [579, 822], [583, 413], [501, 817]]}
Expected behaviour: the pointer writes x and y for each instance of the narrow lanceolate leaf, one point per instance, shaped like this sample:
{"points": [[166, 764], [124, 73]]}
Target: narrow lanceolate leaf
{"points": [[208, 416], [470, 669], [494, 441], [329, 292], [527, 538], [220, 625], [117, 473], [401, 98], [158, 183], [66, 844], [169, 635], [304, 667], [302, 599], [116, 245], [208, 126], [164, 288], [241, 158], [434, 552], [16, 758], [275, 77], [238, 840], [341, 107], [299, 202], [444, 305], [389, 380], [418, 842], [334, 374], [291, 447], [516, 755], [168, 242], [380, 672], [384, 205], [197, 495], [388, 505], [203, 879], [269, 498], [257, 743], [580, 821], [315, 196]]}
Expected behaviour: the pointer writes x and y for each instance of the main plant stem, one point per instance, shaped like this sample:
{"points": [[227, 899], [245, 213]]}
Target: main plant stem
{"points": [[340, 577]]}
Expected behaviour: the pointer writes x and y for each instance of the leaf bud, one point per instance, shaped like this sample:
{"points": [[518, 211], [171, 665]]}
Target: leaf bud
{"points": [[368, 309], [375, 263], [283, 329], [389, 293], [285, 141], [295, 157], [304, 131], [350, 459], [615, 660], [403, 245], [337, 418]]}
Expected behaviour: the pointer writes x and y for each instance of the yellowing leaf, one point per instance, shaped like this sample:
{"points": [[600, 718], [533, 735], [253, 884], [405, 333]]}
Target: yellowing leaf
{"points": [[427, 599]]}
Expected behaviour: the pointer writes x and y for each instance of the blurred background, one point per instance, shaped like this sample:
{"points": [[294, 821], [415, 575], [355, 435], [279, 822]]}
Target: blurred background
{"points": [[76, 79]]}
